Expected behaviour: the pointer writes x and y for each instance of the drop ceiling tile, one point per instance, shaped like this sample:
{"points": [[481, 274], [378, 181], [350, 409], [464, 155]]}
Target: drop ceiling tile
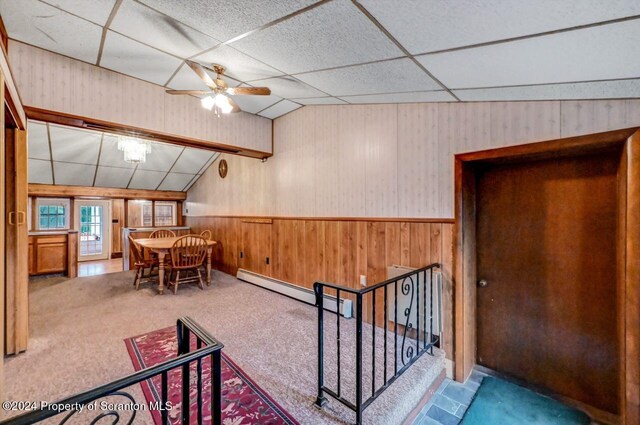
{"points": [[132, 58], [44, 26], [215, 156], [410, 97], [144, 24], [237, 64], [225, 19], [110, 155], [591, 90], [288, 87], [161, 157], [191, 161], [186, 79], [38, 141], [73, 145], [597, 53], [146, 179], [427, 25], [96, 11], [192, 182], [255, 104], [39, 171], [176, 181], [74, 174], [113, 177], [279, 109], [333, 34], [393, 76], [319, 101]]}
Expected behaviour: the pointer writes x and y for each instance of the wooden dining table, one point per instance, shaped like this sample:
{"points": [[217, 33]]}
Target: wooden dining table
{"points": [[162, 246]]}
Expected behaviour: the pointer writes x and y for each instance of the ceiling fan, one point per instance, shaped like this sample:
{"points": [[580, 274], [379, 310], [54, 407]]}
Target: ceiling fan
{"points": [[217, 98]]}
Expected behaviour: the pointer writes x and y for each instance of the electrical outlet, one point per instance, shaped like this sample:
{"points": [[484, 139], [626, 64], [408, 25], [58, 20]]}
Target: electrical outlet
{"points": [[363, 280]]}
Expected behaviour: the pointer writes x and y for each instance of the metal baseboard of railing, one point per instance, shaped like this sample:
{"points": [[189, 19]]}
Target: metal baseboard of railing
{"points": [[409, 303], [207, 349]]}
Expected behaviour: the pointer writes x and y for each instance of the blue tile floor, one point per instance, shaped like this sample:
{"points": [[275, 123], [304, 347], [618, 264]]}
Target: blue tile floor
{"points": [[450, 401]]}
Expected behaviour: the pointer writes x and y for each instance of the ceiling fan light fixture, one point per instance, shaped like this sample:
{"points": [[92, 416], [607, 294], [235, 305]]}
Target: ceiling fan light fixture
{"points": [[208, 102], [222, 102]]}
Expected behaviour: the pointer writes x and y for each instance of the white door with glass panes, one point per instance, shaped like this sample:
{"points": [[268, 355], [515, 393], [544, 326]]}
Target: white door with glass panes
{"points": [[93, 222]]}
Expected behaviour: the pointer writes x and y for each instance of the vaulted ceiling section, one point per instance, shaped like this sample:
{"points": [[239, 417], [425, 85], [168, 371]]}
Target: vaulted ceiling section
{"points": [[348, 51], [74, 157]]}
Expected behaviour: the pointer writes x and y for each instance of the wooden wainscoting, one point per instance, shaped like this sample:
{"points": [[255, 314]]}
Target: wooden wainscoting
{"points": [[302, 251]]}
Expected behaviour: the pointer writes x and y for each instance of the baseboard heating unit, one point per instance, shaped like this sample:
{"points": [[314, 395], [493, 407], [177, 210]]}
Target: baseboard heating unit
{"points": [[296, 292]]}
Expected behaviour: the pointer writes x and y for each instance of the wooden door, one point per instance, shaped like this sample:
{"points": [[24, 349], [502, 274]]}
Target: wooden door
{"points": [[546, 247], [93, 221], [255, 247], [16, 241]]}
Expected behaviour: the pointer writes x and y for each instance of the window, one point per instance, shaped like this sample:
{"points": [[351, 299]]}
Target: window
{"points": [[147, 215], [52, 214], [141, 213], [166, 213]]}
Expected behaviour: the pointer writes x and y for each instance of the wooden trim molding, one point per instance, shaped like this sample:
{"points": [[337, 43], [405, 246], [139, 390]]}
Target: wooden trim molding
{"points": [[11, 95], [464, 259], [4, 37], [62, 118], [59, 191], [269, 219], [631, 286]]}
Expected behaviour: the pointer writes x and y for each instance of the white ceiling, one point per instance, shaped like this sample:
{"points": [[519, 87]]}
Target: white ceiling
{"points": [[352, 51], [71, 156]]}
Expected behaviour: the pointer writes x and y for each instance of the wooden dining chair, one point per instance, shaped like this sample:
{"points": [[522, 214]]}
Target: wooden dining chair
{"points": [[139, 263], [187, 254], [162, 233], [206, 234]]}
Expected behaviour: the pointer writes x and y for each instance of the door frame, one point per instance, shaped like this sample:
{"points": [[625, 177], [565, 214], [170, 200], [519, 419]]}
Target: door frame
{"points": [[106, 203], [628, 282]]}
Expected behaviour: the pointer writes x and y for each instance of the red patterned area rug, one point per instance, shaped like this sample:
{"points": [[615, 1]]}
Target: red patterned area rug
{"points": [[243, 401]]}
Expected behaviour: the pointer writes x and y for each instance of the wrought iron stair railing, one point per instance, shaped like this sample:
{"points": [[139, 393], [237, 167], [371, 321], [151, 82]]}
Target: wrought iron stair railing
{"points": [[207, 349], [410, 307]]}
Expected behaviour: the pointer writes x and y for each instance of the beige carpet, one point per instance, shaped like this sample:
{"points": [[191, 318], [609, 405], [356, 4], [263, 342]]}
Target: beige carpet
{"points": [[78, 327]]}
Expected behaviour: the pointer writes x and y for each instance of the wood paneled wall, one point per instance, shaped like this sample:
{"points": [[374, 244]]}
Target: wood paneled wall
{"points": [[53, 82], [387, 160], [303, 251]]}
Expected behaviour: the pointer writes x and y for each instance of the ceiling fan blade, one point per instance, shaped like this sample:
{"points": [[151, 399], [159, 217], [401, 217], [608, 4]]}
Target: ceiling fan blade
{"points": [[236, 108], [261, 91], [194, 92], [199, 69]]}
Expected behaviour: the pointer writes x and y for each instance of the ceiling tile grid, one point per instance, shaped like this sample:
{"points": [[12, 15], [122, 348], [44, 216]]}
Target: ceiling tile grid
{"points": [[407, 97], [39, 171], [155, 29], [113, 177], [238, 65], [283, 107], [225, 19], [333, 34], [351, 51], [39, 24], [91, 158], [381, 77], [424, 26], [133, 58], [96, 11], [598, 53]]}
